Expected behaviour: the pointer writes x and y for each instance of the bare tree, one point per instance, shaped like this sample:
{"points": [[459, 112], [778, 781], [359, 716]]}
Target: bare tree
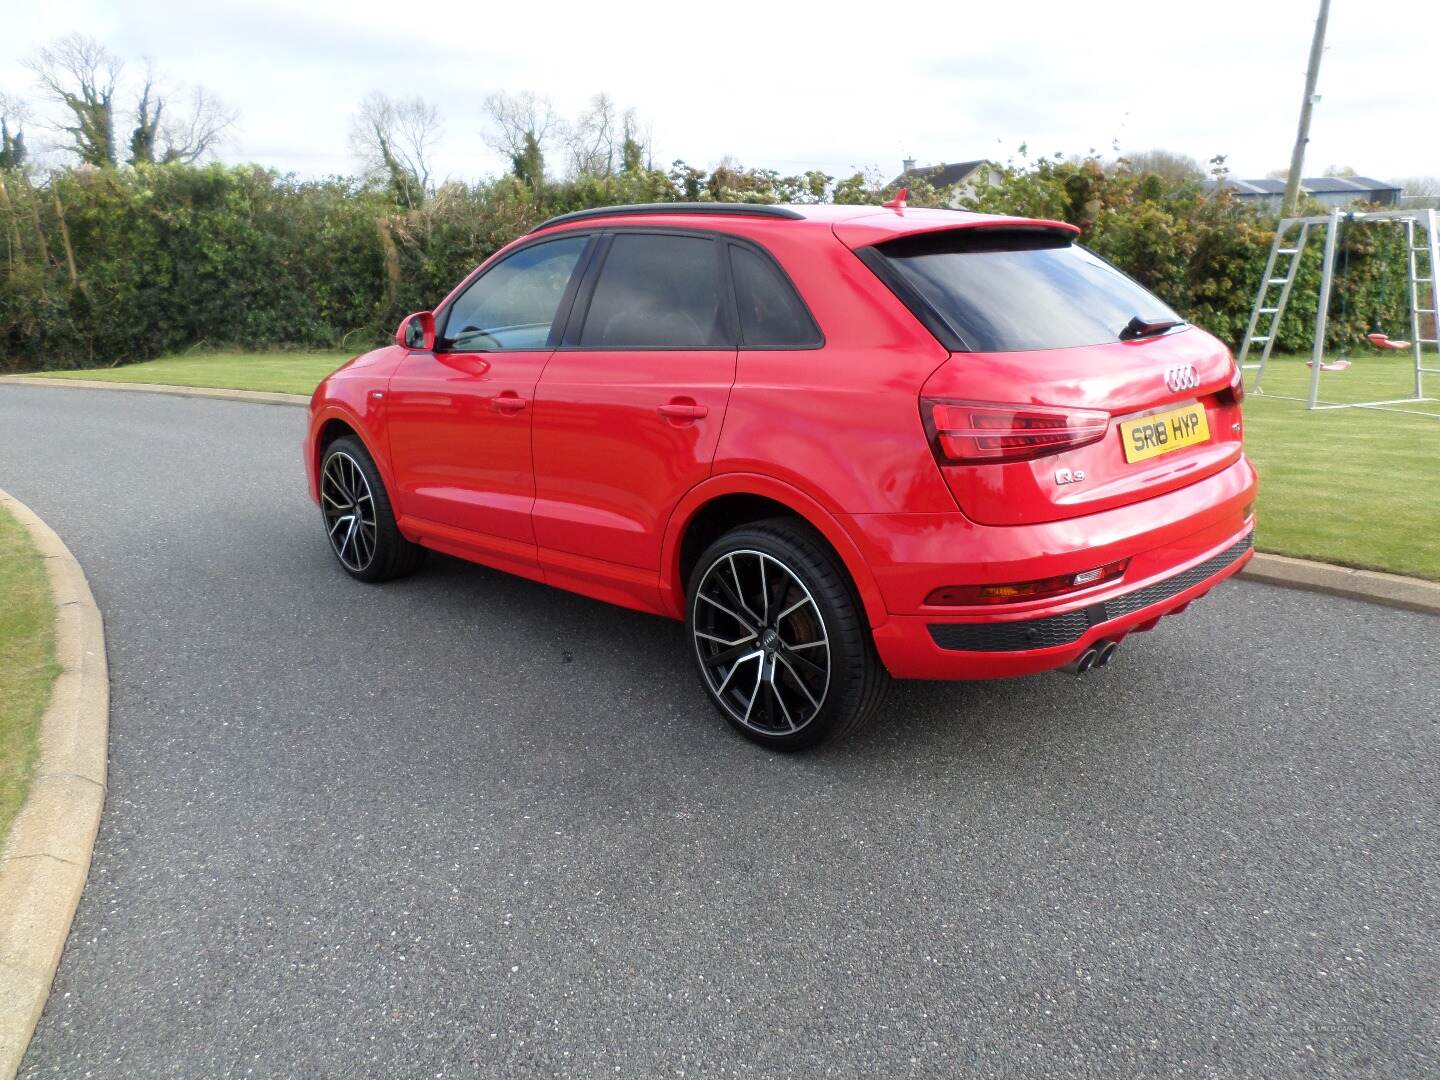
{"points": [[14, 113], [80, 75], [520, 126], [395, 141], [164, 134], [634, 151], [594, 141], [197, 129], [1166, 164], [148, 111]]}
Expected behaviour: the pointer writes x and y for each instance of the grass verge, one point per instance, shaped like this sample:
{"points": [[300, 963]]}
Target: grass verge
{"points": [[27, 662], [1357, 487], [278, 372]]}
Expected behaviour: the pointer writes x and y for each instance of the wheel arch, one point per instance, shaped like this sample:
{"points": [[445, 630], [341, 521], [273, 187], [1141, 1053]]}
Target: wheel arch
{"points": [[332, 429], [722, 502], [333, 422]]}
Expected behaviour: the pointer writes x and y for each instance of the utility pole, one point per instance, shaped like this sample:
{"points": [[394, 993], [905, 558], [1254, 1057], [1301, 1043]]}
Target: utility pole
{"points": [[1312, 75]]}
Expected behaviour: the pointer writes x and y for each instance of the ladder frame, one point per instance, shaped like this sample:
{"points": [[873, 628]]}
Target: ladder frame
{"points": [[1412, 221], [1267, 281]]}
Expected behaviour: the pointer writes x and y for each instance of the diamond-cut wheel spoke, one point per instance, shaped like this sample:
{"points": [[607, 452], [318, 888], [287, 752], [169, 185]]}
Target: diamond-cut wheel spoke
{"points": [[752, 618], [736, 604], [803, 664], [725, 656], [349, 508]]}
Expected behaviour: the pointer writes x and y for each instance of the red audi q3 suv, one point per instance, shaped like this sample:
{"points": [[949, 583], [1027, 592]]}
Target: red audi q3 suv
{"points": [[841, 443]]}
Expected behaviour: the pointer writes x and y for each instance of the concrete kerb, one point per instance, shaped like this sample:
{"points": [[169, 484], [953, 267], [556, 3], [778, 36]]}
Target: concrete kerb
{"points": [[264, 397], [47, 856]]}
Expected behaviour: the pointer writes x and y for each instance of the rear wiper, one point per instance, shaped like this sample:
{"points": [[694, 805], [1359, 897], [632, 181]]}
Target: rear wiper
{"points": [[1138, 327]]}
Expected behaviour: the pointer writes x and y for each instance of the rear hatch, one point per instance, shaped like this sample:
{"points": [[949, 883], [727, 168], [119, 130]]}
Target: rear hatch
{"points": [[1070, 389]]}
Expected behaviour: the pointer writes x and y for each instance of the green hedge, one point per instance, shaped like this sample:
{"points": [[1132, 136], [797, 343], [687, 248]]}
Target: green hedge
{"points": [[106, 266]]}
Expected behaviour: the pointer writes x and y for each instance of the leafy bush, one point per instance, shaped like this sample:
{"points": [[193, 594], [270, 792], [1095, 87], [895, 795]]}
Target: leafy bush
{"points": [[105, 266], [1204, 253]]}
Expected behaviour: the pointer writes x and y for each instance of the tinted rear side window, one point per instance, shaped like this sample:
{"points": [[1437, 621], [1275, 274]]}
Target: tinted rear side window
{"points": [[1012, 291], [771, 315], [657, 292]]}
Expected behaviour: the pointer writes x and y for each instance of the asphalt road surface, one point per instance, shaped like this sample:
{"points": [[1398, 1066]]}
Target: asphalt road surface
{"points": [[464, 824]]}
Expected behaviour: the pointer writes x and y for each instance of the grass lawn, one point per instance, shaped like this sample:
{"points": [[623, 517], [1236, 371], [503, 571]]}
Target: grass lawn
{"points": [[282, 372], [27, 662], [1349, 486]]}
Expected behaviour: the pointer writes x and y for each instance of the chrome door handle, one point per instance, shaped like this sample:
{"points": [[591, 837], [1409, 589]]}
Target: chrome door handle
{"points": [[508, 402], [683, 410]]}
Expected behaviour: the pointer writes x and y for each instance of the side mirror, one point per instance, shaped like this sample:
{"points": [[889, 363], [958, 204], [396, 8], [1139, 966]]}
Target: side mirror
{"points": [[417, 332]]}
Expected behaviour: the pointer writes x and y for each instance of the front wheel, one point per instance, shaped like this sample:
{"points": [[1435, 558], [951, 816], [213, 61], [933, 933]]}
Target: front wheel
{"points": [[358, 517], [781, 641]]}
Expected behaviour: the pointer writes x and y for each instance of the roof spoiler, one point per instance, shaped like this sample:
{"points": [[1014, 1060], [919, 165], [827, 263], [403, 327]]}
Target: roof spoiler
{"points": [[857, 233]]}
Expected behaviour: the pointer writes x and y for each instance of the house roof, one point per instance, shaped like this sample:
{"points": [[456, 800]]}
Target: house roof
{"points": [[941, 175], [1318, 185]]}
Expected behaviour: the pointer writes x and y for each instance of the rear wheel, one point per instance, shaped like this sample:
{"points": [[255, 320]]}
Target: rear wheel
{"points": [[779, 636], [358, 517]]}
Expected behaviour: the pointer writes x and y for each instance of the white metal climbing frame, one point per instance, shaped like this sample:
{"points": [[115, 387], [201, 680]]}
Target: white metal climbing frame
{"points": [[1291, 236]]}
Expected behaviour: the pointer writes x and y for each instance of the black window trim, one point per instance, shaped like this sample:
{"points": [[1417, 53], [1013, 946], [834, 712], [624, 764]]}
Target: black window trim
{"points": [[569, 340], [562, 311]]}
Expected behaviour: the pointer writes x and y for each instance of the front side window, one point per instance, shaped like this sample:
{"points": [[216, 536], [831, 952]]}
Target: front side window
{"points": [[771, 315], [657, 292], [512, 305], [1008, 291]]}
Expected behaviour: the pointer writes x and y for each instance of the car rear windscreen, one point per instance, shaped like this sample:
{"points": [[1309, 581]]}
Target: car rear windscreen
{"points": [[1009, 291]]}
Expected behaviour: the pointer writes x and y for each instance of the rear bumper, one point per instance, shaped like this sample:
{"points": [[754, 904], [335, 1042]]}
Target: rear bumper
{"points": [[1179, 546], [915, 647]]}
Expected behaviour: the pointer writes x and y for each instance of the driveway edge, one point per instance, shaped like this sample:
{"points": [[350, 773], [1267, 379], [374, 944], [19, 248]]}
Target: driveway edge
{"points": [[46, 860], [265, 397], [1392, 590]]}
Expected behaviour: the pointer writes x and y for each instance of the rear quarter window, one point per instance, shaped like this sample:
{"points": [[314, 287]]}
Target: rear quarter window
{"points": [[1011, 291], [771, 315]]}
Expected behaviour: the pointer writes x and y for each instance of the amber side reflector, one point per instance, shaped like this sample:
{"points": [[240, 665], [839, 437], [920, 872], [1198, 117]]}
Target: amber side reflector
{"points": [[968, 595]]}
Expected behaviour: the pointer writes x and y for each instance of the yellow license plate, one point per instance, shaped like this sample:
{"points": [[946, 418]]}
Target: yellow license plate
{"points": [[1160, 433]]}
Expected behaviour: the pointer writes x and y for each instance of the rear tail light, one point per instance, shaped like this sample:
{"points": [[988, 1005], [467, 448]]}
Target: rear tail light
{"points": [[967, 432], [1234, 394], [967, 595]]}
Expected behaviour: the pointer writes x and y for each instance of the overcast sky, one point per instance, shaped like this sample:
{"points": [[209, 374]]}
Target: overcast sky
{"points": [[799, 86]]}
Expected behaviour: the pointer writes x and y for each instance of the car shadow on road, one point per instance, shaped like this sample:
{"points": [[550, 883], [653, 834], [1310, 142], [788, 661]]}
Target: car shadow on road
{"points": [[626, 660]]}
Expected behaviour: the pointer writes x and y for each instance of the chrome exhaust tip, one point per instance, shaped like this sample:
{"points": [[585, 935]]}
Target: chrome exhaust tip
{"points": [[1082, 663], [1105, 652]]}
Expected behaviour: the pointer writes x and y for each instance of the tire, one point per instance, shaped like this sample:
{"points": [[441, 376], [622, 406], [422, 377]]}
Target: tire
{"points": [[780, 638], [368, 546]]}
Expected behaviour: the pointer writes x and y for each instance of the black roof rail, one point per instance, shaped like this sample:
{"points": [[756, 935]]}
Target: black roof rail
{"points": [[770, 210]]}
